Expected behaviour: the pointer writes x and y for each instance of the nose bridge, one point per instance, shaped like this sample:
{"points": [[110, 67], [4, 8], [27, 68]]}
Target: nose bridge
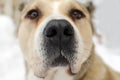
{"points": [[55, 7]]}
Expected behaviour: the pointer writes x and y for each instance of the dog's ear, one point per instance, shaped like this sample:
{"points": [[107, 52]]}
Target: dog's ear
{"points": [[90, 7], [21, 6]]}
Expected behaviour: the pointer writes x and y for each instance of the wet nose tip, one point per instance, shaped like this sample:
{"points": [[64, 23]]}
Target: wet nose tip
{"points": [[56, 28]]}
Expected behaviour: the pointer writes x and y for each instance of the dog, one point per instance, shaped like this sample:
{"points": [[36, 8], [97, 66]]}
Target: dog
{"points": [[56, 39]]}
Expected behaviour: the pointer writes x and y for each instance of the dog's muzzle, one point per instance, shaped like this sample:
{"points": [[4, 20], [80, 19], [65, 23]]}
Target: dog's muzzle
{"points": [[59, 42], [58, 45]]}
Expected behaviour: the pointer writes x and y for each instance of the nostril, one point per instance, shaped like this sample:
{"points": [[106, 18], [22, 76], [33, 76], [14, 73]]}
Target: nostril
{"points": [[58, 29], [51, 32], [68, 31]]}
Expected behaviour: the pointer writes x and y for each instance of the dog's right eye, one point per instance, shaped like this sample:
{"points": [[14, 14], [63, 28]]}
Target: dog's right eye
{"points": [[76, 14], [32, 14]]}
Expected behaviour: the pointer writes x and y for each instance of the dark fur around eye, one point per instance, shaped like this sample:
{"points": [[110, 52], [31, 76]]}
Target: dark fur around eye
{"points": [[33, 14], [76, 14]]}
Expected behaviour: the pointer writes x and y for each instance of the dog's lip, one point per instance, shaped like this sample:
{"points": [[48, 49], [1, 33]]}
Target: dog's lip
{"points": [[60, 61], [73, 67]]}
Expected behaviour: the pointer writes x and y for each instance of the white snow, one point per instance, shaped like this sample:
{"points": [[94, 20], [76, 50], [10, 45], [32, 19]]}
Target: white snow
{"points": [[110, 56], [11, 60]]}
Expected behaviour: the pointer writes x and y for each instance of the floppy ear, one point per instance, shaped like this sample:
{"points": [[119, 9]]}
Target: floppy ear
{"points": [[90, 7], [21, 6]]}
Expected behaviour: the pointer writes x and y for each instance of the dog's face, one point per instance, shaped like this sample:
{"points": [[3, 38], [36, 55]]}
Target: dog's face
{"points": [[55, 33]]}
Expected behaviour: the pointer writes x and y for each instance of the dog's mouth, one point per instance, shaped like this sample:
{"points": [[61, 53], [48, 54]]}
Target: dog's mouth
{"points": [[60, 61], [63, 61], [58, 56]]}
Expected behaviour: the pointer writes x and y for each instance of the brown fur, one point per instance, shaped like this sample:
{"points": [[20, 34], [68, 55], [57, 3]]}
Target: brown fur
{"points": [[91, 9], [95, 69]]}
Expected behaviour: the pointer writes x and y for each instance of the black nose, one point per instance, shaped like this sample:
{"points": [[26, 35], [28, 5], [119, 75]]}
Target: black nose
{"points": [[60, 29]]}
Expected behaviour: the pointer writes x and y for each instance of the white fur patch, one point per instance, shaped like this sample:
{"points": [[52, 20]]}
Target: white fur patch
{"points": [[31, 76], [59, 73]]}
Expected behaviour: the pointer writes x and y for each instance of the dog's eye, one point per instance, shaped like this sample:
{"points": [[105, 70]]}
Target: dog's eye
{"points": [[76, 14], [33, 14]]}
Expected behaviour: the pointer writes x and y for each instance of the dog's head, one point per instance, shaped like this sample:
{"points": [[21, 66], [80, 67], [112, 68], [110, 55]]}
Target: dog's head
{"points": [[55, 33]]}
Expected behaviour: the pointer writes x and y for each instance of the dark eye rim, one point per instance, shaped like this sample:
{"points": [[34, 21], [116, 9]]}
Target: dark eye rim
{"points": [[77, 14], [29, 13]]}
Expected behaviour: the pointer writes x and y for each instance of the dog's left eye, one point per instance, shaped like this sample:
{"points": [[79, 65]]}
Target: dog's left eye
{"points": [[76, 14], [33, 14]]}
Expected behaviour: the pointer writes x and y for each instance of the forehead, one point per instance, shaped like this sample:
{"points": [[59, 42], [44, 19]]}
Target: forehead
{"points": [[61, 4], [55, 7], [52, 1]]}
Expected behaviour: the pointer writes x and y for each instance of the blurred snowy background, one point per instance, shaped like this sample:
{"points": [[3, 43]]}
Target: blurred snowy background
{"points": [[107, 21]]}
